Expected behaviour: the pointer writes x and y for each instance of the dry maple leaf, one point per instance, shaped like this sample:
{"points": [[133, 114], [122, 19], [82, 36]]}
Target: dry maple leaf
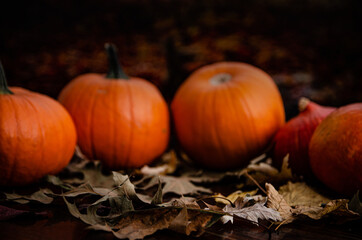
{"points": [[263, 172], [355, 204], [43, 196], [278, 203], [137, 225], [178, 185], [300, 194], [219, 198], [168, 165], [141, 223], [252, 213], [313, 208]]}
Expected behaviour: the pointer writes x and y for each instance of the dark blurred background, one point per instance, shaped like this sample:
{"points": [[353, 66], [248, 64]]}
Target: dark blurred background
{"points": [[310, 48]]}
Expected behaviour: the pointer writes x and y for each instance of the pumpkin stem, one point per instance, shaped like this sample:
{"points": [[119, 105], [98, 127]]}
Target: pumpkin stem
{"points": [[115, 70], [303, 103], [3, 84]]}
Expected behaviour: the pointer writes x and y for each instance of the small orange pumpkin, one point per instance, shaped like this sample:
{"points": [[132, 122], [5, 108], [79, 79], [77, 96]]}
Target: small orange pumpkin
{"points": [[37, 135], [335, 150], [122, 121], [227, 113]]}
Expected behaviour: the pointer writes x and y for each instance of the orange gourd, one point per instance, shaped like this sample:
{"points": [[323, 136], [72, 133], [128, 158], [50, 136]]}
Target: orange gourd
{"points": [[226, 113], [37, 135], [122, 121], [335, 150]]}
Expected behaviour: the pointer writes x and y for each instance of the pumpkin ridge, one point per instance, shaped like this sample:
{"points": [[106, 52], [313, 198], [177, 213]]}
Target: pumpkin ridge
{"points": [[201, 137], [63, 135], [73, 104], [91, 128], [85, 95], [146, 134], [229, 95], [248, 114], [131, 128], [26, 98], [216, 131], [113, 117]]}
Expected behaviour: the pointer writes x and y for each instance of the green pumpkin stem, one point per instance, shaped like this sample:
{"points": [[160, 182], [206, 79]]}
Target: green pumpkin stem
{"points": [[3, 84], [115, 70]]}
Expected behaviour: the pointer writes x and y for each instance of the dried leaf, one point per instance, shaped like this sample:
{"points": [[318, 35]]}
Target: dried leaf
{"points": [[355, 204], [337, 207], [205, 176], [233, 196], [168, 165], [137, 225], [183, 201], [125, 187], [252, 213], [286, 171], [56, 181], [263, 172], [42, 196], [300, 194], [181, 186], [159, 170], [191, 220], [157, 198], [178, 185], [181, 223], [73, 209], [92, 174], [313, 210], [278, 203]]}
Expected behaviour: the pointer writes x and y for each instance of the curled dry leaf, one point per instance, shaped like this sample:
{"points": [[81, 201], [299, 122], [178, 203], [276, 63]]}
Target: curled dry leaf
{"points": [[278, 203], [91, 171], [168, 165], [254, 213], [300, 194], [178, 185], [338, 207], [193, 220], [141, 223], [219, 198], [314, 208], [263, 172], [43, 196], [182, 202], [355, 204], [137, 225]]}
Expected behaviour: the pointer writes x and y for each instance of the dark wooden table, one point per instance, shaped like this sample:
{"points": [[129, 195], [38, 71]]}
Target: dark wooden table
{"points": [[59, 224]]}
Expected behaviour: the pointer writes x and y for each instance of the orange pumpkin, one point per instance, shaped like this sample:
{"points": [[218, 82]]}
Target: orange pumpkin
{"points": [[335, 150], [37, 135], [226, 113], [122, 121]]}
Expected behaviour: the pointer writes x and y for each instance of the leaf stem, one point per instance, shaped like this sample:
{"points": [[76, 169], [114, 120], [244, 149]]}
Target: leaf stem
{"points": [[255, 182], [115, 69], [3, 83], [213, 197]]}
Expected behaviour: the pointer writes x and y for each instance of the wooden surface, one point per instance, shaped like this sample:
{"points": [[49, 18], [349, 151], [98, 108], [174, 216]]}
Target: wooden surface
{"points": [[58, 224]]}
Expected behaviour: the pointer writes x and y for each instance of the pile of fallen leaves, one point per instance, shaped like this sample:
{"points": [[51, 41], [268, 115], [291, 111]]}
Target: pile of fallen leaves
{"points": [[175, 195]]}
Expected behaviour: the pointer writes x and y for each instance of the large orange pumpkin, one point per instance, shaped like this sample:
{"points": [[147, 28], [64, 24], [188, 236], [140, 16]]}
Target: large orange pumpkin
{"points": [[37, 135], [122, 121], [227, 113], [335, 150]]}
